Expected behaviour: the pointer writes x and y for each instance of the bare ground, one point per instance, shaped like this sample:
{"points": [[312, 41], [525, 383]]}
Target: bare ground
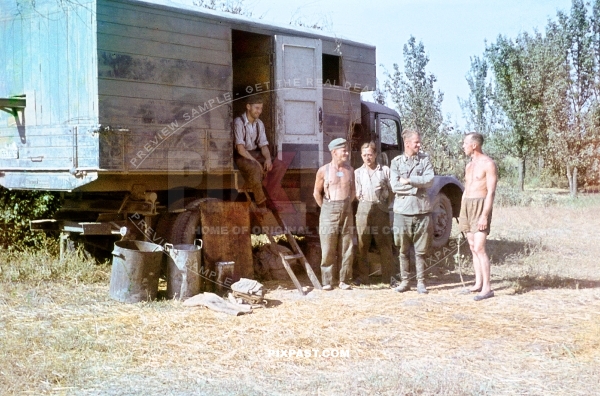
{"points": [[540, 335]]}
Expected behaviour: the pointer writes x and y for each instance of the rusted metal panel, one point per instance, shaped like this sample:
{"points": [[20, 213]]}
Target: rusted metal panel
{"points": [[226, 235]]}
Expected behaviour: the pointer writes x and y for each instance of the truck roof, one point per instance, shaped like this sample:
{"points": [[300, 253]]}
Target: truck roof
{"points": [[242, 20], [379, 108]]}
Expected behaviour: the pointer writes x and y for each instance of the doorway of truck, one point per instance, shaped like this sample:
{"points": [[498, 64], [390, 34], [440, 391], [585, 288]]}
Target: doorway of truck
{"points": [[252, 72]]}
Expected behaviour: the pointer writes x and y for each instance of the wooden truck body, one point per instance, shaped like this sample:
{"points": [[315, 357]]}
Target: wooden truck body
{"points": [[120, 100]]}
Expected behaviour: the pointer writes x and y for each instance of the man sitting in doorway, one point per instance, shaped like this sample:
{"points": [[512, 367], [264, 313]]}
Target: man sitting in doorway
{"points": [[253, 157]]}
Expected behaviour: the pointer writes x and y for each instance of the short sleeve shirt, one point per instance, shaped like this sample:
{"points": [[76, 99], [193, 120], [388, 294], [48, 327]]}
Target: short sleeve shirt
{"points": [[251, 135]]}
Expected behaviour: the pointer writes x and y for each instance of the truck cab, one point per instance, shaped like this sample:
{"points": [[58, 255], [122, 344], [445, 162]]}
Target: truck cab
{"points": [[382, 125]]}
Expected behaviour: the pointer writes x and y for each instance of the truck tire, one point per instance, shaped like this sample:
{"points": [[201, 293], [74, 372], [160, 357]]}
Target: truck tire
{"points": [[186, 223], [441, 218], [164, 227]]}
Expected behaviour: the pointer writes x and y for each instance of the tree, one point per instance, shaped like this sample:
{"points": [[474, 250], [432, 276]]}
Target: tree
{"points": [[573, 100], [521, 73], [417, 102], [480, 110], [379, 94]]}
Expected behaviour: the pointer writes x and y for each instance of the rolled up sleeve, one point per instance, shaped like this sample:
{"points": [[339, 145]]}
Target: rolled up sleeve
{"points": [[238, 132], [262, 136]]}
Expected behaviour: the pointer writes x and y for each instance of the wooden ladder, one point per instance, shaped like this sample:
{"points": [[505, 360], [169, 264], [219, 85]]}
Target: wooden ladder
{"points": [[296, 251]]}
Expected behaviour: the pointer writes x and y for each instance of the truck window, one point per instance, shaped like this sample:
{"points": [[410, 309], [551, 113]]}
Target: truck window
{"points": [[388, 134]]}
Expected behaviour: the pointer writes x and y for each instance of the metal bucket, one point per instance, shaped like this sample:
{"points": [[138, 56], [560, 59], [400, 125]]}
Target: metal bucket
{"points": [[135, 271], [183, 269]]}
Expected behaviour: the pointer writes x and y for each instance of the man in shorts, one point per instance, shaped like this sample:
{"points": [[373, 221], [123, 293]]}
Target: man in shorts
{"points": [[475, 218]]}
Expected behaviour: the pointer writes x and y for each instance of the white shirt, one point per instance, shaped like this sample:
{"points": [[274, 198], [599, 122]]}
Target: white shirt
{"points": [[374, 187], [251, 135]]}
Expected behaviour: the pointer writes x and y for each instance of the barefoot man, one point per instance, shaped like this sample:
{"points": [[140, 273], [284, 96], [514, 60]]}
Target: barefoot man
{"points": [[476, 210], [334, 193]]}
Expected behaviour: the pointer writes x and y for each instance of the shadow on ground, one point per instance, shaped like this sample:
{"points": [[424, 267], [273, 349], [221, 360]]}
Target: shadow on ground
{"points": [[503, 251], [527, 283]]}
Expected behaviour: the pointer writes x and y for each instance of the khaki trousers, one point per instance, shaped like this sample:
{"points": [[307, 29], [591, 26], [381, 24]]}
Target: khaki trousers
{"points": [[373, 222], [336, 224]]}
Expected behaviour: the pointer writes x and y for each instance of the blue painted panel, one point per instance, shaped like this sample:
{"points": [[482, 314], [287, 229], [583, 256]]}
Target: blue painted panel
{"points": [[49, 53]]}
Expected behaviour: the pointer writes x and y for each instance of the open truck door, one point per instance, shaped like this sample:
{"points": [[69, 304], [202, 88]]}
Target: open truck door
{"points": [[299, 101]]}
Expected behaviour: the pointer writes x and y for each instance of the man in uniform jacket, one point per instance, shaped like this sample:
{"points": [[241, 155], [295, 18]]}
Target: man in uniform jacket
{"points": [[411, 175]]}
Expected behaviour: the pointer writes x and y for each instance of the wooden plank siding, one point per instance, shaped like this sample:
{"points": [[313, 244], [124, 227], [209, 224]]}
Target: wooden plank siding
{"points": [[131, 86], [340, 107], [49, 54], [160, 69]]}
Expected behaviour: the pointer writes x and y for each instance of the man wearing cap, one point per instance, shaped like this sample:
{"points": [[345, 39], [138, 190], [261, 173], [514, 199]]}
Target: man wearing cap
{"points": [[411, 176], [334, 192], [252, 155], [372, 217]]}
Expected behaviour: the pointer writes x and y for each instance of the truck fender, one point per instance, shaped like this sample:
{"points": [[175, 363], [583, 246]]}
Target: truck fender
{"points": [[445, 196]]}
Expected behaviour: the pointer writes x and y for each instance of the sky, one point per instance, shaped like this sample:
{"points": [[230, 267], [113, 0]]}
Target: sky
{"points": [[452, 31]]}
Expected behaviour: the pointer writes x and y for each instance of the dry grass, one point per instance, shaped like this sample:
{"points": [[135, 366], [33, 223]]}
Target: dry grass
{"points": [[539, 336]]}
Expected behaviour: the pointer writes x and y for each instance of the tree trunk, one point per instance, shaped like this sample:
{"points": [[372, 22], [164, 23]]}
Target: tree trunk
{"points": [[574, 183], [572, 178], [521, 174]]}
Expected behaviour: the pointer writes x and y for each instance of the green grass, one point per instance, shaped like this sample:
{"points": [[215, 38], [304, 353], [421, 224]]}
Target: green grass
{"points": [[44, 264]]}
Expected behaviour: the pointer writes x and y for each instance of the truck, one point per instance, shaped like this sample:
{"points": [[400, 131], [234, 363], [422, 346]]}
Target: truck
{"points": [[126, 107]]}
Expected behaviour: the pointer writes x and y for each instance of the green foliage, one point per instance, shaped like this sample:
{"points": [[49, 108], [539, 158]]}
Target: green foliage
{"points": [[572, 100], [511, 196], [16, 209], [419, 106], [412, 91], [546, 89], [480, 110], [521, 71], [43, 264]]}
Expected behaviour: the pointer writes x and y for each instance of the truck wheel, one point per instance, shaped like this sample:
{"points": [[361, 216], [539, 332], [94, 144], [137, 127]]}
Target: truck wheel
{"points": [[186, 223], [441, 217], [184, 228], [164, 227]]}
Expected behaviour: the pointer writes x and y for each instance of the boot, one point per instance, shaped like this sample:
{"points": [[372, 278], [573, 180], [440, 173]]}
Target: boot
{"points": [[420, 264], [404, 274], [402, 286]]}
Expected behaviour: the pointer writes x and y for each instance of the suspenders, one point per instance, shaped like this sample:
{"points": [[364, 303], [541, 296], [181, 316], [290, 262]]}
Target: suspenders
{"points": [[326, 184]]}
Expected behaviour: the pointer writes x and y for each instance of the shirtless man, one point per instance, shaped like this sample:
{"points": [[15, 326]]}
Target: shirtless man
{"points": [[476, 210], [334, 192]]}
